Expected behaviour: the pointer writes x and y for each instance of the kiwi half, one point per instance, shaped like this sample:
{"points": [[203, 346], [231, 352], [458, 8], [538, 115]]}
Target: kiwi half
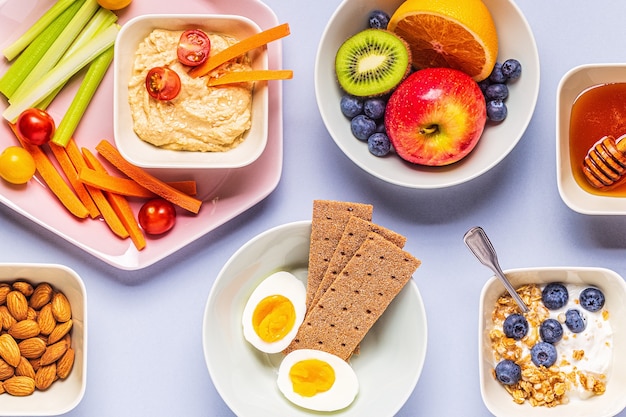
{"points": [[372, 63]]}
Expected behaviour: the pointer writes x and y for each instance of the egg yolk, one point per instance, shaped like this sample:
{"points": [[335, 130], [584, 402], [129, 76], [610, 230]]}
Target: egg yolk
{"points": [[273, 318], [311, 376]]}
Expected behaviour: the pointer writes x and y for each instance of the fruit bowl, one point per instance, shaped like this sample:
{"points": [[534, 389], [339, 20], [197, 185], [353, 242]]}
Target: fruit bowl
{"points": [[572, 84], [499, 402], [395, 345], [515, 41], [146, 155], [64, 394]]}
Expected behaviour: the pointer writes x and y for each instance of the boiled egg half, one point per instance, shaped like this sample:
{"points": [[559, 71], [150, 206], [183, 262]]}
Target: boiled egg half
{"points": [[274, 312], [317, 380]]}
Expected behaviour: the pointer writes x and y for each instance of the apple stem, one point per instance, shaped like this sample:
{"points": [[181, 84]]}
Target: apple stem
{"points": [[430, 129]]}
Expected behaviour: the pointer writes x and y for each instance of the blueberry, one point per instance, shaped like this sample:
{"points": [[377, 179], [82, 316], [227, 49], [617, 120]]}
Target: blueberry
{"points": [[554, 296], [378, 19], [484, 84], [496, 110], [511, 69], [496, 75], [374, 108], [508, 372], [575, 321], [551, 331], [543, 354], [591, 299], [496, 91], [351, 106], [515, 326], [378, 144], [362, 127]]}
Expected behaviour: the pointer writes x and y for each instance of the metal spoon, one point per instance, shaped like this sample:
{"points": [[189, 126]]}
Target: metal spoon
{"points": [[477, 241]]}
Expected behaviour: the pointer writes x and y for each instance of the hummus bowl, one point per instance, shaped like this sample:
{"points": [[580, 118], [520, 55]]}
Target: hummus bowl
{"points": [[146, 155]]}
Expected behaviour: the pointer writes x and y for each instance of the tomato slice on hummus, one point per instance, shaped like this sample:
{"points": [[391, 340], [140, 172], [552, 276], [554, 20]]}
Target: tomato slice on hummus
{"points": [[193, 47], [163, 83]]}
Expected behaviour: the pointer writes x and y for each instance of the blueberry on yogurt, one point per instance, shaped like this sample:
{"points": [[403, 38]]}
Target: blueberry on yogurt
{"points": [[591, 299], [551, 331], [554, 296], [575, 321], [543, 354], [508, 372], [515, 326]]}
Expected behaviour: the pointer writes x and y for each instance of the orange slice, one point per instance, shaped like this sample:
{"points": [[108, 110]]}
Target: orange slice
{"points": [[448, 33]]}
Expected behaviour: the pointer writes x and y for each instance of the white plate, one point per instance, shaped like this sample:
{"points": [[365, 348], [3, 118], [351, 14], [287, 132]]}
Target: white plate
{"points": [[515, 41], [226, 192], [395, 347]]}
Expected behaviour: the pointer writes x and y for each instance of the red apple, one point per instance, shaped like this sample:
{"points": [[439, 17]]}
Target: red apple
{"points": [[435, 117]]}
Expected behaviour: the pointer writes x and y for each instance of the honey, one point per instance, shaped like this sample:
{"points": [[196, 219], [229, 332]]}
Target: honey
{"points": [[596, 112]]}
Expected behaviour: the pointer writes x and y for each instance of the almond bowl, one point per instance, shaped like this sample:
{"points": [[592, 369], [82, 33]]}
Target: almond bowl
{"points": [[64, 394], [146, 155], [499, 402]]}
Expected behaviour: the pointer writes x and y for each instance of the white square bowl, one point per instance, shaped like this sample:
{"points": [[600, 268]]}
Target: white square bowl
{"points": [[613, 401], [572, 84], [63, 395], [146, 155]]}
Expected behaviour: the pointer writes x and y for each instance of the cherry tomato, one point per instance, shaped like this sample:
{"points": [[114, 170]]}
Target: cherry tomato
{"points": [[114, 4], [193, 47], [17, 166], [35, 126], [157, 216], [163, 83]]}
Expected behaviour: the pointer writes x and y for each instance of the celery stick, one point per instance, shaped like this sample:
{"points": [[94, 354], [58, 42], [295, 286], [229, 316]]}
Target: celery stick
{"points": [[89, 85], [60, 45], [34, 94], [13, 50], [19, 69], [101, 20]]}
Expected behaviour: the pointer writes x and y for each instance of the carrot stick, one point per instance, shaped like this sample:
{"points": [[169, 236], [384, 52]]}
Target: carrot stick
{"points": [[108, 214], [111, 154], [70, 173], [53, 179], [246, 76], [240, 48], [117, 185], [119, 204], [187, 187]]}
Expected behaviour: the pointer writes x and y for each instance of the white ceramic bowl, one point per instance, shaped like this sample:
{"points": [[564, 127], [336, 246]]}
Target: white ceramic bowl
{"points": [[246, 378], [148, 156], [63, 395], [515, 41], [572, 84], [498, 401]]}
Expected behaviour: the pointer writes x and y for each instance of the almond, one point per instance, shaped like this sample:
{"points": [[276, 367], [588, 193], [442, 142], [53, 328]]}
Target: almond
{"points": [[41, 296], [25, 368], [17, 305], [46, 319], [45, 376], [4, 290], [7, 320], [53, 352], [32, 348], [61, 309], [23, 287], [19, 386], [6, 370], [65, 363], [24, 329], [60, 330], [9, 351]]}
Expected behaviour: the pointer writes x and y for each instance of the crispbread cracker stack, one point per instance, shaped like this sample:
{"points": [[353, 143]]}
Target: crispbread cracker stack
{"points": [[354, 234], [327, 225], [357, 298]]}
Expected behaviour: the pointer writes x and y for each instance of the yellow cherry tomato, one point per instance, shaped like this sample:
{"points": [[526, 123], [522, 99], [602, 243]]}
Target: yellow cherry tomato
{"points": [[114, 4], [17, 166]]}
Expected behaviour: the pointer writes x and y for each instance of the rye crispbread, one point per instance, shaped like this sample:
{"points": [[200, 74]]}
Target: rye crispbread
{"points": [[327, 225], [354, 234], [357, 298]]}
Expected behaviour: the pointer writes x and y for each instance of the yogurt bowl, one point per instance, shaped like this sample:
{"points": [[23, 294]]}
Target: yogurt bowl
{"points": [[612, 401]]}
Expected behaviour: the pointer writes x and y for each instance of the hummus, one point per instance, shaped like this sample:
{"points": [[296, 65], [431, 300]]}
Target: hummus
{"points": [[200, 118]]}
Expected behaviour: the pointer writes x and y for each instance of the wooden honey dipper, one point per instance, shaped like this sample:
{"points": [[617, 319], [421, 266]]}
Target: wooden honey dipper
{"points": [[605, 163]]}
